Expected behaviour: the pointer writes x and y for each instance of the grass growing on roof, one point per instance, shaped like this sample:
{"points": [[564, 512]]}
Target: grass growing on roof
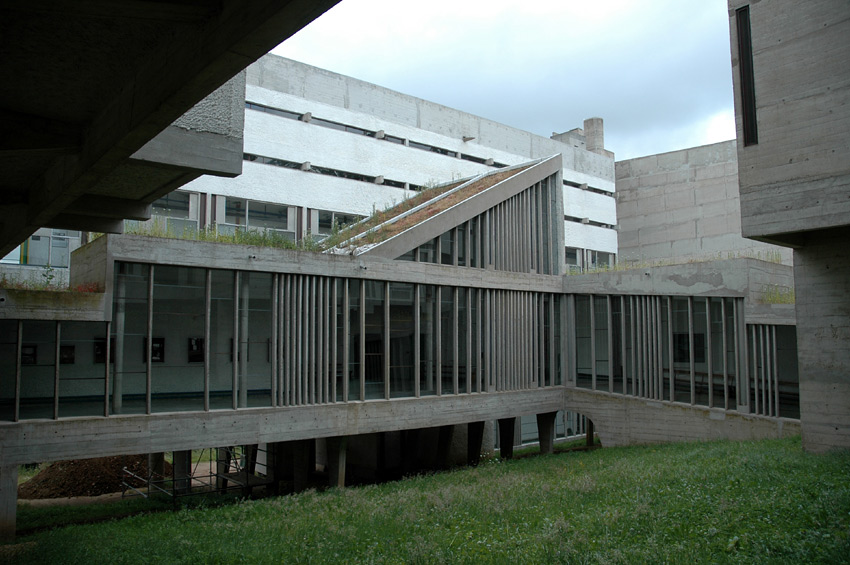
{"points": [[719, 502]]}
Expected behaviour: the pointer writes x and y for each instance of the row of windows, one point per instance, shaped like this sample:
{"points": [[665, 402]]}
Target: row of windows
{"points": [[328, 171], [588, 222], [588, 188], [375, 134], [244, 214]]}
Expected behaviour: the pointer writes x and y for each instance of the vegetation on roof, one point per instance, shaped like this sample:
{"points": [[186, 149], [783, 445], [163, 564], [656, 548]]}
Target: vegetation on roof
{"points": [[387, 223]]}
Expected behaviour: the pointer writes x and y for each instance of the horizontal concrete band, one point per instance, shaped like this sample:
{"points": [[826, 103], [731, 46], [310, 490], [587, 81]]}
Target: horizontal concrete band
{"points": [[73, 438]]}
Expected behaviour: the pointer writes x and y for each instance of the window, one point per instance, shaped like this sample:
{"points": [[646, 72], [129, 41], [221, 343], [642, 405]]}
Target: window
{"points": [[241, 214], [747, 82]]}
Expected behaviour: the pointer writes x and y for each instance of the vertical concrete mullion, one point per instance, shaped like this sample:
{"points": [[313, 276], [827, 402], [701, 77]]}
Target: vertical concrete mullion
{"points": [[744, 382], [639, 345], [533, 372], [775, 371], [298, 331], [316, 343], [108, 360], [725, 355], [207, 335], [274, 338], [455, 346], [56, 344], [670, 352], [438, 341], [481, 263], [691, 348], [592, 342], [633, 339], [538, 204], [610, 344], [495, 332], [417, 346], [313, 323], [234, 343], [762, 348], [327, 347], [18, 353], [486, 329], [539, 361], [362, 352], [386, 332], [346, 337], [468, 337], [570, 332], [756, 351], [623, 350], [532, 230], [333, 343], [552, 343], [149, 346], [479, 358], [454, 232], [659, 350], [709, 352]]}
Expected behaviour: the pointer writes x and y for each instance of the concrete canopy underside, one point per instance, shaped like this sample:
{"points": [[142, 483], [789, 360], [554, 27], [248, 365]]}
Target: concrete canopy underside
{"points": [[88, 84]]}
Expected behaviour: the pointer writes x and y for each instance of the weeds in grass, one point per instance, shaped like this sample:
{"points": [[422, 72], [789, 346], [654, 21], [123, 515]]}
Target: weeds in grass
{"points": [[748, 502]]}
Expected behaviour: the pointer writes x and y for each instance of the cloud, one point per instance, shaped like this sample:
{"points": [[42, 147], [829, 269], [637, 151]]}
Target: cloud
{"points": [[658, 72]]}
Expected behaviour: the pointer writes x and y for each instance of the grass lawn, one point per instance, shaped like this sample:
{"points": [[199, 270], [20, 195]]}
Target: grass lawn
{"points": [[752, 502]]}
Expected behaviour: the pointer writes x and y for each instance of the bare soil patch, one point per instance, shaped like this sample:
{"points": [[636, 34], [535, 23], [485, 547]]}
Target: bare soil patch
{"points": [[85, 477]]}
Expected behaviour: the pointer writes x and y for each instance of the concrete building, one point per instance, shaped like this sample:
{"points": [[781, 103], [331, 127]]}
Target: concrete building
{"points": [[685, 206], [434, 320], [323, 148], [792, 86]]}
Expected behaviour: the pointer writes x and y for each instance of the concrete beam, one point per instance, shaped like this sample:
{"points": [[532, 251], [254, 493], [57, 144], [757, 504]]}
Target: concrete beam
{"points": [[109, 207]]}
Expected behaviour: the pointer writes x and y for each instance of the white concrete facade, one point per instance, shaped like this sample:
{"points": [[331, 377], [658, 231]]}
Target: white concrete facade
{"points": [[322, 122]]}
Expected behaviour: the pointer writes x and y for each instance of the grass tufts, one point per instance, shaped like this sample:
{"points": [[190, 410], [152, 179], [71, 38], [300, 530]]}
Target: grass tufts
{"points": [[719, 502]]}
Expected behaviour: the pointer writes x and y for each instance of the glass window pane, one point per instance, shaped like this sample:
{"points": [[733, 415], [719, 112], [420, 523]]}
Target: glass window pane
{"points": [[234, 211], [427, 340], [173, 205], [401, 340], [177, 377], [81, 390], [374, 339], [221, 339], [38, 355], [126, 345], [267, 216]]}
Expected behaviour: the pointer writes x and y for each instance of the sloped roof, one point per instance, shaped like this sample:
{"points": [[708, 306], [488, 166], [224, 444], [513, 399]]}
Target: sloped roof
{"points": [[417, 220]]}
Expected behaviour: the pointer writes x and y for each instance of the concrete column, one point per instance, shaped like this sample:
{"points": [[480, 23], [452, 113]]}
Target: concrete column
{"points": [[182, 468], [475, 437], [337, 447], [8, 501], [275, 458], [444, 444], [506, 437], [822, 282], [302, 464], [409, 450], [546, 432], [156, 464]]}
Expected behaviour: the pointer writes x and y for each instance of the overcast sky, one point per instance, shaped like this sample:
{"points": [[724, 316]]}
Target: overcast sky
{"points": [[657, 71]]}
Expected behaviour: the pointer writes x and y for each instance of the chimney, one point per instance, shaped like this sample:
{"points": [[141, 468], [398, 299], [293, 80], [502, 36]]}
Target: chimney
{"points": [[594, 135]]}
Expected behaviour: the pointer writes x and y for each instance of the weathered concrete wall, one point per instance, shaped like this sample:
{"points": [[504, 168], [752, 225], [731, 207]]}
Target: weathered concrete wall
{"points": [[624, 420], [822, 273], [684, 205], [207, 138], [797, 176]]}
